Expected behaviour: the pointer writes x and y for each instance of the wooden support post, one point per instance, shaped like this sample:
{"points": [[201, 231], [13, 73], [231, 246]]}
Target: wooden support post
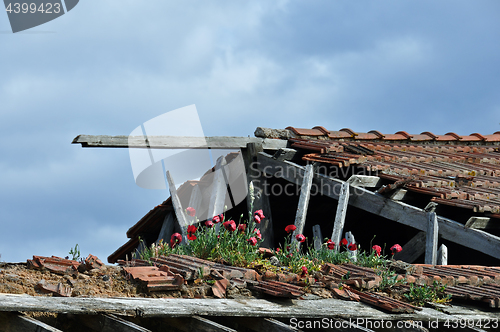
{"points": [[318, 237], [195, 201], [442, 255], [305, 194], [10, 321], [261, 197], [431, 241], [167, 228], [350, 240], [338, 225], [413, 249], [219, 190], [179, 212]]}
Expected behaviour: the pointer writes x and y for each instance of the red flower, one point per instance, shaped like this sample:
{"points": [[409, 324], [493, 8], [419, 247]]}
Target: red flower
{"points": [[396, 248], [252, 241], [191, 237], [377, 249], [343, 242], [301, 238], [352, 247], [242, 227], [257, 219], [259, 213], [304, 271], [191, 229], [330, 244], [176, 238], [277, 250], [209, 223], [290, 228], [257, 232], [191, 211], [216, 220], [221, 217], [230, 225]]}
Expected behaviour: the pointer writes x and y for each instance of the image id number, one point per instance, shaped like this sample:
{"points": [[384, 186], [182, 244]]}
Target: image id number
{"points": [[47, 8]]}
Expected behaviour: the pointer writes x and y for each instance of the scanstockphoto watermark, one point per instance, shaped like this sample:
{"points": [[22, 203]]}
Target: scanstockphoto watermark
{"points": [[330, 323], [24, 15]]}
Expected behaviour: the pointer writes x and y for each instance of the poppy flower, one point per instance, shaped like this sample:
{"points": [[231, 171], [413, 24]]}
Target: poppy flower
{"points": [[230, 225], [304, 271], [216, 219], [396, 248], [259, 213], [242, 227], [352, 247], [257, 233], [191, 211], [221, 217], [277, 250], [301, 238], [252, 241], [191, 236], [343, 242], [377, 249], [257, 219], [330, 244], [174, 239], [209, 223], [191, 229], [290, 228]]}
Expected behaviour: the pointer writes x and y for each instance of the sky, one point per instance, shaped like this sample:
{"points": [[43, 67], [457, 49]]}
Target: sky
{"points": [[106, 67]]}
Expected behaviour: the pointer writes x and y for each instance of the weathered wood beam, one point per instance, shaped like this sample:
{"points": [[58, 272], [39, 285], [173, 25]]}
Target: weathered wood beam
{"points": [[431, 241], [196, 323], [285, 154], [179, 212], [168, 307], [261, 197], [413, 249], [481, 223], [393, 210], [305, 194], [195, 199], [317, 237], [175, 142], [109, 323], [365, 181], [399, 194], [11, 321], [219, 190], [442, 255], [338, 225]]}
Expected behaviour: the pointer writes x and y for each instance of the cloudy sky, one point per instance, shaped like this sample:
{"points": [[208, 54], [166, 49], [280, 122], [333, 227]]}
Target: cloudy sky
{"points": [[106, 67]]}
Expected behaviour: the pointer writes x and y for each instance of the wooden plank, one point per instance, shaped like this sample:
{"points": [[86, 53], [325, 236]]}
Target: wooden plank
{"points": [[219, 190], [365, 181], [413, 249], [169, 307], [399, 194], [196, 323], [285, 154], [167, 228], [179, 212], [195, 200], [109, 323], [377, 204], [431, 241], [442, 255], [14, 322], [261, 195], [176, 142], [305, 194], [482, 223], [317, 237], [338, 225]]}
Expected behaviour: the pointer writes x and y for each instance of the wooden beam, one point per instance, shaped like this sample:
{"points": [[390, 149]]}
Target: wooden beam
{"points": [[261, 196], [285, 154], [377, 204], [305, 194], [242, 307], [350, 240], [179, 211], [338, 225], [195, 200], [167, 228], [175, 142], [431, 241], [399, 194], [196, 323], [219, 190], [11, 321], [365, 181], [481, 223], [109, 323], [317, 237], [413, 249], [442, 255]]}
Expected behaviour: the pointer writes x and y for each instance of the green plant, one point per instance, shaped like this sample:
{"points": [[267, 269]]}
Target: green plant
{"points": [[389, 278], [75, 253], [419, 295]]}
